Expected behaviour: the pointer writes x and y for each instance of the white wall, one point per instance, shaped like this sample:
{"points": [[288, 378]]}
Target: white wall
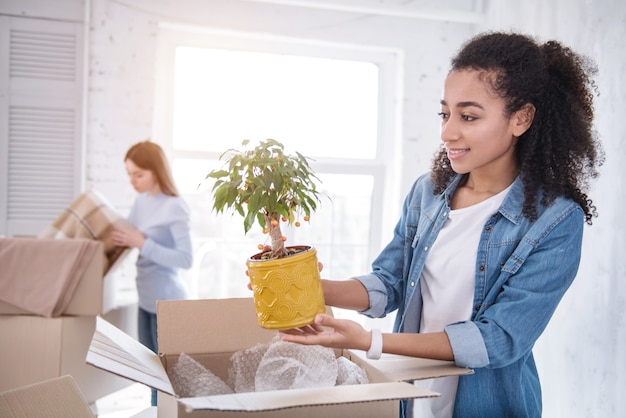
{"points": [[580, 357]]}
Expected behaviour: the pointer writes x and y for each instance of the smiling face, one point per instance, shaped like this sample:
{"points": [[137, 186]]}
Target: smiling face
{"points": [[142, 180], [478, 135]]}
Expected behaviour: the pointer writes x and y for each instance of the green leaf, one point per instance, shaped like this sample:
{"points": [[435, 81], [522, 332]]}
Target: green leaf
{"points": [[220, 198], [260, 219], [217, 174], [264, 179], [248, 221]]}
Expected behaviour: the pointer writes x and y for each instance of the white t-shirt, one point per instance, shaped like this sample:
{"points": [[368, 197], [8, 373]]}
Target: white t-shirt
{"points": [[447, 285]]}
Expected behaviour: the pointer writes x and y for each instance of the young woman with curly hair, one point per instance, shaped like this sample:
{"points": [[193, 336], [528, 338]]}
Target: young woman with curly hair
{"points": [[490, 239]]}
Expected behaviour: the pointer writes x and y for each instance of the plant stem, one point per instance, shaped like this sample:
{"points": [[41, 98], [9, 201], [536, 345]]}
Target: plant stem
{"points": [[276, 236]]}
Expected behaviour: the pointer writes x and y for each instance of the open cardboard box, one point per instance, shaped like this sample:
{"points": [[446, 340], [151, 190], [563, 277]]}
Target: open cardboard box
{"points": [[210, 331]]}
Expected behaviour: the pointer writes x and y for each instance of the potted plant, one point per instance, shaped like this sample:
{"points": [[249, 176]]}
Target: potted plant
{"points": [[269, 187]]}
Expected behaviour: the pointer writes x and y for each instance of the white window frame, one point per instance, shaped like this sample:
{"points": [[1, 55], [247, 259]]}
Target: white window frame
{"points": [[384, 167]]}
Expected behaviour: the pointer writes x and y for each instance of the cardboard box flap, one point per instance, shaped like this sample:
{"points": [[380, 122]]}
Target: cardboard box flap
{"points": [[209, 326], [294, 398], [55, 398], [113, 350], [403, 368]]}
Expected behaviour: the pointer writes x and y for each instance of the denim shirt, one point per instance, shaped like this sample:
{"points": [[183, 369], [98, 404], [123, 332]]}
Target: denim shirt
{"points": [[523, 268]]}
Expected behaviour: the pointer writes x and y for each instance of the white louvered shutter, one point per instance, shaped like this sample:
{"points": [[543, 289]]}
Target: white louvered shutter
{"points": [[41, 79]]}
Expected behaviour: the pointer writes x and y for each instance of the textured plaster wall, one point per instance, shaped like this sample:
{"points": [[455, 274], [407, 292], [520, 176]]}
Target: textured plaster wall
{"points": [[120, 94]]}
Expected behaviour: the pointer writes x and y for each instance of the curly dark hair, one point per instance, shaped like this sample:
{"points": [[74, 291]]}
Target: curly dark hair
{"points": [[560, 153]]}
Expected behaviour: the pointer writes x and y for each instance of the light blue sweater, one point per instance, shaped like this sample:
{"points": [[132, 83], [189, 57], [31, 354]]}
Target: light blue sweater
{"points": [[165, 222]]}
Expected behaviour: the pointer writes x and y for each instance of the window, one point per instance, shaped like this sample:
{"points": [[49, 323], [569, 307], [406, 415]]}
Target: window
{"points": [[332, 103], [321, 107]]}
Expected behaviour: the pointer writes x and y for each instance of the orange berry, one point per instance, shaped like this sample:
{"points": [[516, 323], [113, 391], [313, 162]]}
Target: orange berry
{"points": [[283, 238], [306, 218], [265, 230], [260, 246], [297, 223], [283, 219], [274, 222]]}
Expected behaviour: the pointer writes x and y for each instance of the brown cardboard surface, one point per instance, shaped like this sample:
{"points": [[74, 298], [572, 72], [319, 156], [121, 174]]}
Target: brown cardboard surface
{"points": [[169, 407], [35, 349], [87, 298], [401, 368], [218, 326], [54, 398], [283, 399], [213, 329]]}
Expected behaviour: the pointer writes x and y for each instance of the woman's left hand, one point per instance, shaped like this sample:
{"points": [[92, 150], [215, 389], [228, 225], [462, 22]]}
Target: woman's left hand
{"points": [[343, 334]]}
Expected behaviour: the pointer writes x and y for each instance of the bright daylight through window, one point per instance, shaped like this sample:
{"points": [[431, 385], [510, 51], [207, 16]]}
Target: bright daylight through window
{"points": [[326, 109]]}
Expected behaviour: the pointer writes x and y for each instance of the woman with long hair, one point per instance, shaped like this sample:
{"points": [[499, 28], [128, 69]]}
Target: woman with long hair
{"points": [[161, 232]]}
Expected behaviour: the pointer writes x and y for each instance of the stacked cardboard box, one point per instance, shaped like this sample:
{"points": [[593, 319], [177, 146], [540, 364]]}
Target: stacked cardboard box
{"points": [[36, 348]]}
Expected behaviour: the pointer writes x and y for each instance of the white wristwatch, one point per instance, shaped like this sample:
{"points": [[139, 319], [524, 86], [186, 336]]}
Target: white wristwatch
{"points": [[376, 346]]}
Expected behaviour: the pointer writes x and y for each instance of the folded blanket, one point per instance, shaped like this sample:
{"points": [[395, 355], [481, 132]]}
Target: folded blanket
{"points": [[91, 216], [40, 275]]}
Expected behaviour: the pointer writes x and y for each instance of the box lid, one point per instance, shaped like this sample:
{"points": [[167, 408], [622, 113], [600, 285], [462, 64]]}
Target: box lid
{"points": [[59, 397]]}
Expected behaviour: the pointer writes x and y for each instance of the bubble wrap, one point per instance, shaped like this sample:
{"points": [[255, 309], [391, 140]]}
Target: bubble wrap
{"points": [[288, 365], [244, 367], [190, 379], [349, 373], [274, 366]]}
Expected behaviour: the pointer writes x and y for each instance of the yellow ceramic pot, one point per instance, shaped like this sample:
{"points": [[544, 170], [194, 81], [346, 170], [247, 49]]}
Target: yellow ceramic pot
{"points": [[287, 292]]}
